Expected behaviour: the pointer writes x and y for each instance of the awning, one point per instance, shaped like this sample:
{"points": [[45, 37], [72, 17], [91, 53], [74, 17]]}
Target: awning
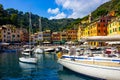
{"points": [[70, 42], [4, 44], [46, 42], [63, 42], [114, 42], [103, 38], [56, 42]]}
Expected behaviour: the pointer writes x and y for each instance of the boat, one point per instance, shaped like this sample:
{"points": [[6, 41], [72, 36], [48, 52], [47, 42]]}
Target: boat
{"points": [[29, 60], [28, 54], [95, 65], [4, 47], [49, 50], [38, 50]]}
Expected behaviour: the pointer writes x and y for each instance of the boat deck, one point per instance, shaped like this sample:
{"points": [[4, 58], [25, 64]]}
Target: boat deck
{"points": [[110, 64]]}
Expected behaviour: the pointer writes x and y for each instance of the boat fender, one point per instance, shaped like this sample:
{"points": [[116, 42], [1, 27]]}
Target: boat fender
{"points": [[59, 55]]}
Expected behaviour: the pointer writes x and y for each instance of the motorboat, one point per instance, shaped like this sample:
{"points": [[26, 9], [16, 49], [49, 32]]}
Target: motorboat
{"points": [[38, 50], [28, 60], [49, 49]]}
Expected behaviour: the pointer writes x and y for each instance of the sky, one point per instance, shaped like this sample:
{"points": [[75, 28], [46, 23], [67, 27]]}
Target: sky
{"points": [[55, 9]]}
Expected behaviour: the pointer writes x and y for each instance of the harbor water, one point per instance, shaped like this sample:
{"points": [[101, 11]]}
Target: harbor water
{"points": [[46, 69]]}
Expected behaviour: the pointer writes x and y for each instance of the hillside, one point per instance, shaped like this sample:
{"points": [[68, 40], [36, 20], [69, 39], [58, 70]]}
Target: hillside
{"points": [[20, 19], [104, 9]]}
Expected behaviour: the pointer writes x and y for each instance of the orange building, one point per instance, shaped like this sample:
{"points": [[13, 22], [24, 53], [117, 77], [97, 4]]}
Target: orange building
{"points": [[99, 28], [72, 35], [56, 36], [24, 35]]}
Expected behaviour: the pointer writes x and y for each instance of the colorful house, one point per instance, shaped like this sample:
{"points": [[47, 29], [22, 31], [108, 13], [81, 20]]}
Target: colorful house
{"points": [[72, 35], [56, 37], [79, 32], [10, 34], [97, 28], [114, 27], [47, 36]]}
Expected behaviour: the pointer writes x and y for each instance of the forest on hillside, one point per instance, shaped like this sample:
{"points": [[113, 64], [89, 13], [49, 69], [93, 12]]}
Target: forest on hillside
{"points": [[21, 19]]}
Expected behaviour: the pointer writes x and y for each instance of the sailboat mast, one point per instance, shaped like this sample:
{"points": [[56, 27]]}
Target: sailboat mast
{"points": [[30, 26], [40, 24]]}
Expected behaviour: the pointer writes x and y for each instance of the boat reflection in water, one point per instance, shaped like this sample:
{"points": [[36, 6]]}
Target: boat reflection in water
{"points": [[46, 69]]}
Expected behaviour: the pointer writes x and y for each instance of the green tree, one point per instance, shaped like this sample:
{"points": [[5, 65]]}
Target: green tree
{"points": [[13, 18]]}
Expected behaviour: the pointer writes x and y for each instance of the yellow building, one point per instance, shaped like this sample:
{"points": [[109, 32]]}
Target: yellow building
{"points": [[114, 27], [64, 36], [80, 32], [47, 36], [97, 28], [93, 29], [85, 32]]}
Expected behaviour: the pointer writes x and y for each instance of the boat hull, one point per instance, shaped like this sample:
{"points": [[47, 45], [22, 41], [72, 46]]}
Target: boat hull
{"points": [[103, 72], [49, 50], [28, 60]]}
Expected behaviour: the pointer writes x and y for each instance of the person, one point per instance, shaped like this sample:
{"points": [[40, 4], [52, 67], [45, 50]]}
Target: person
{"points": [[73, 50]]}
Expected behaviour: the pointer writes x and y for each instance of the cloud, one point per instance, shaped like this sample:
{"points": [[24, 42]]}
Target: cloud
{"points": [[79, 8], [53, 11], [58, 16]]}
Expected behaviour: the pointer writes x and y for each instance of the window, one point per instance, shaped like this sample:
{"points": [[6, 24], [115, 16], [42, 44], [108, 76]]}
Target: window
{"points": [[4, 35], [98, 25], [103, 20], [13, 35], [110, 25], [115, 29], [104, 25], [110, 31], [18, 35], [8, 33], [99, 31]]}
